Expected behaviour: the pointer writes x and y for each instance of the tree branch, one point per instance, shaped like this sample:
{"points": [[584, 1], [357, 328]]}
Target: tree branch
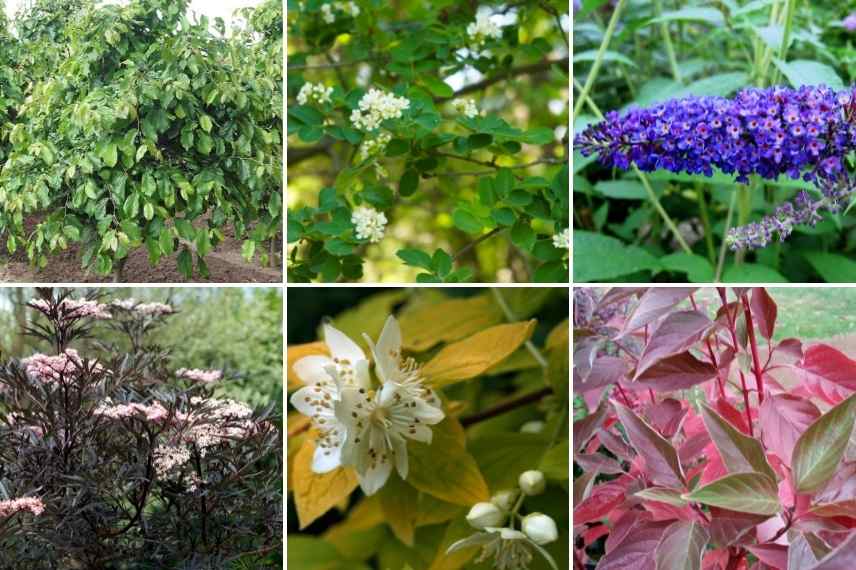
{"points": [[475, 242], [513, 72], [506, 406]]}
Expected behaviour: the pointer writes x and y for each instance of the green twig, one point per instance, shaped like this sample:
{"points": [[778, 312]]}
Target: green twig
{"points": [[723, 248], [598, 60], [667, 39]]}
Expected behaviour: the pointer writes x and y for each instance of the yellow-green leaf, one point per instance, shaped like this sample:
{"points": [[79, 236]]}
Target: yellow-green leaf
{"points": [[662, 495], [317, 493], [400, 502], [742, 492], [205, 123], [818, 451], [445, 469], [472, 356], [447, 321]]}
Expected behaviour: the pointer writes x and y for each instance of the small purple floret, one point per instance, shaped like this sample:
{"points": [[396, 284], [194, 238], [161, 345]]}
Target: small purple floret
{"points": [[850, 22]]}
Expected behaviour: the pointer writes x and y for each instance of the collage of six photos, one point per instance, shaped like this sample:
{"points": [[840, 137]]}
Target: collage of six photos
{"points": [[420, 289]]}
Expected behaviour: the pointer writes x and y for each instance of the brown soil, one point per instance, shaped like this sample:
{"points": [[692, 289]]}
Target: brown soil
{"points": [[225, 265]]}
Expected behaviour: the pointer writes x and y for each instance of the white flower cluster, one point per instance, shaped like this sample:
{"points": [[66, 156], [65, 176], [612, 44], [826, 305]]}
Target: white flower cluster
{"points": [[483, 29], [374, 146], [510, 549], [377, 106], [197, 375], [69, 309], [152, 412], [50, 369], [349, 8], [562, 240], [358, 426], [224, 420], [145, 309], [466, 107], [369, 223], [314, 92]]}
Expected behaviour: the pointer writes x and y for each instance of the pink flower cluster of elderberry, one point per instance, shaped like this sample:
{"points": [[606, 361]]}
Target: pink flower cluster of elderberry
{"points": [[75, 309], [197, 375], [151, 412], [802, 133], [145, 309], [49, 369], [32, 504]]}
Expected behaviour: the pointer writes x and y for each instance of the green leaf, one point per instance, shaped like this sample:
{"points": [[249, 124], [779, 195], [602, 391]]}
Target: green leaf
{"points": [[522, 235], [751, 273], [334, 246], [185, 263], [601, 258], [662, 495], [708, 15], [504, 216], [397, 147], [142, 149], [442, 262], [742, 492], [697, 268], [832, 267], [185, 229], [409, 182], [721, 85], [466, 222], [819, 449], [504, 182], [739, 452], [132, 205], [148, 211], [248, 249], [608, 55], [205, 123], [622, 189], [479, 140], [109, 154], [554, 464], [444, 469], [803, 72], [416, 258], [437, 87]]}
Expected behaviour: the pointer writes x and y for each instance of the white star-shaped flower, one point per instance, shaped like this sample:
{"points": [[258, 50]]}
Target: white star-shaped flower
{"points": [[324, 377], [509, 548], [379, 423]]}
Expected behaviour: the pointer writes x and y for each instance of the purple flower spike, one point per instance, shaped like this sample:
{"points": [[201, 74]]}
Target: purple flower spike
{"points": [[803, 133], [850, 22]]}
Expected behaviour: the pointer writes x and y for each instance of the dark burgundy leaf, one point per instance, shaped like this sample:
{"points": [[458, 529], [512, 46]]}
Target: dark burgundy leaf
{"points": [[827, 363], [660, 457], [602, 500], [616, 445], [584, 428], [637, 550], [606, 370], [677, 372], [676, 333], [774, 555], [656, 302], [666, 416], [763, 311], [598, 462]]}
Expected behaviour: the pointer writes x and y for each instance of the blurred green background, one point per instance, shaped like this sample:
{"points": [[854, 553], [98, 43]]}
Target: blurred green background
{"points": [[236, 329]]}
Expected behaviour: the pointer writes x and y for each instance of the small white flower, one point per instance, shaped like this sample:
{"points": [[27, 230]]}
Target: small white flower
{"points": [[535, 426], [349, 8], [509, 548], [314, 92], [532, 482], [379, 422], [540, 528], [374, 146], [483, 515], [368, 223], [377, 106], [466, 107], [317, 398], [562, 240], [483, 29], [327, 13], [504, 499]]}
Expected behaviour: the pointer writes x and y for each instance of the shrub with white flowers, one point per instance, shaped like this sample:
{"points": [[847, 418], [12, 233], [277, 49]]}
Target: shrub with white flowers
{"points": [[369, 224], [409, 428], [451, 121]]}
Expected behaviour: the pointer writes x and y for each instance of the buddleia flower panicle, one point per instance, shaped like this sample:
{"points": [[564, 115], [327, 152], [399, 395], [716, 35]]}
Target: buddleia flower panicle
{"points": [[801, 133]]}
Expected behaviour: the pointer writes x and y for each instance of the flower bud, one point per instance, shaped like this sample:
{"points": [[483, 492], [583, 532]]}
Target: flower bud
{"points": [[532, 482], [504, 499], [540, 528], [535, 426], [485, 514]]}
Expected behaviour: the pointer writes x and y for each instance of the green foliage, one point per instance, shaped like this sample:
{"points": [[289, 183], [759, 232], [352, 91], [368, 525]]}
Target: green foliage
{"points": [[140, 128], [467, 193]]}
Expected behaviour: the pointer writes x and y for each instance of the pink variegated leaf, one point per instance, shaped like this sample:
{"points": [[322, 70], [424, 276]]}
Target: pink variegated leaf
{"points": [[773, 555], [602, 500], [615, 444], [599, 462], [666, 416], [842, 557], [783, 419], [682, 547], [764, 311], [828, 373], [661, 459], [585, 427], [637, 550], [606, 370]]}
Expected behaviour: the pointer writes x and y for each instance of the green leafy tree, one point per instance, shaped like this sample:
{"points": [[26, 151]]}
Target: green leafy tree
{"points": [[142, 128], [440, 123]]}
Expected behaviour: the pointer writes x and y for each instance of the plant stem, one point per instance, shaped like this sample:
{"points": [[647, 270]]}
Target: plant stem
{"points": [[510, 316], [731, 329], [667, 39], [723, 248], [711, 355], [705, 222], [786, 35], [598, 60], [506, 406], [756, 362]]}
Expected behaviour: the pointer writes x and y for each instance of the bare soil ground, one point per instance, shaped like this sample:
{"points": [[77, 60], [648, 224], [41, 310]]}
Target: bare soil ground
{"points": [[225, 265]]}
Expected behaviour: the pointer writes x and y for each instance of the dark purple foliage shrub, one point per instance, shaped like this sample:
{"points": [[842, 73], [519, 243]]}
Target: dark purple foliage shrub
{"points": [[703, 443], [112, 459]]}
